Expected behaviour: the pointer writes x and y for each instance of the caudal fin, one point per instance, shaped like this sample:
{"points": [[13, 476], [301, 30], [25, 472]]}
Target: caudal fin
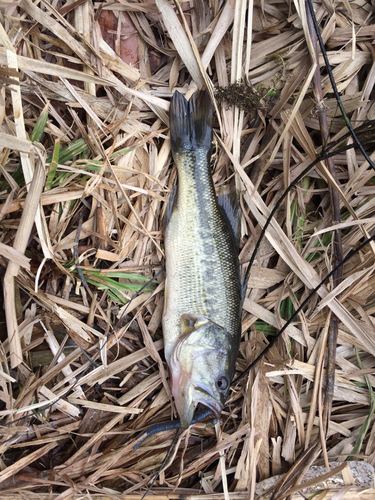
{"points": [[191, 122]]}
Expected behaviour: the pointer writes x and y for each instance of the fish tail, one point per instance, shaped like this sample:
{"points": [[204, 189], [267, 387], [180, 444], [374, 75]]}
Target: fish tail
{"points": [[191, 122]]}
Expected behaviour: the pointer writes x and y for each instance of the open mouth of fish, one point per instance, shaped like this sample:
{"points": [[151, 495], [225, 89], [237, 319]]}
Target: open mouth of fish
{"points": [[187, 397], [208, 400]]}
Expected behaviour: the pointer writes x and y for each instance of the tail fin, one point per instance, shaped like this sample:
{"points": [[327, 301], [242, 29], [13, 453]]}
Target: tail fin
{"points": [[191, 122]]}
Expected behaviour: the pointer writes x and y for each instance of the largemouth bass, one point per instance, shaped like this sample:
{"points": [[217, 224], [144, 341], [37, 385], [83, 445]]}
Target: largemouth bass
{"points": [[202, 309]]}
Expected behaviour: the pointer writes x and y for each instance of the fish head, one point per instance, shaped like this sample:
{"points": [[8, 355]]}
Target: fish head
{"points": [[202, 367]]}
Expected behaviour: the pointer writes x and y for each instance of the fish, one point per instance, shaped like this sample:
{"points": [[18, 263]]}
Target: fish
{"points": [[202, 305]]}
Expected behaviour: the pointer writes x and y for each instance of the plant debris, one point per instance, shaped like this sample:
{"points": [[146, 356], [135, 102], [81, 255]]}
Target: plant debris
{"points": [[85, 172]]}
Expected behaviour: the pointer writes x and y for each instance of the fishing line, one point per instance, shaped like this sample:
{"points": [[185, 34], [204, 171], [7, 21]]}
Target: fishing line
{"points": [[334, 87], [323, 156], [92, 360], [304, 303], [162, 465]]}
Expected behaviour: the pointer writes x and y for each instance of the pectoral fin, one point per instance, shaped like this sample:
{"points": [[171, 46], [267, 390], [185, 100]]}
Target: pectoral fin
{"points": [[187, 323]]}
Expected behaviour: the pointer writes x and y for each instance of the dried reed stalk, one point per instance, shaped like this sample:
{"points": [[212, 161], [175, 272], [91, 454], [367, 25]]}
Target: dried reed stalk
{"points": [[84, 137]]}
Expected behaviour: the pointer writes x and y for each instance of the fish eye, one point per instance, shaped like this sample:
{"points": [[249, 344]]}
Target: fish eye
{"points": [[222, 383]]}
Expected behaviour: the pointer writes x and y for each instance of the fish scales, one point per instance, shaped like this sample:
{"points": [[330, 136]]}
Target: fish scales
{"points": [[202, 311], [201, 270]]}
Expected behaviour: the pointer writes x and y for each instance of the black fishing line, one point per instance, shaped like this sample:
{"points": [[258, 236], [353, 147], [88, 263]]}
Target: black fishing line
{"points": [[162, 465], [92, 360], [327, 153], [334, 87], [304, 303]]}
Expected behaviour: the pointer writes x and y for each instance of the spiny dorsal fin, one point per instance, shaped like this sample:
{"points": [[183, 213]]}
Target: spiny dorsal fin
{"points": [[228, 201]]}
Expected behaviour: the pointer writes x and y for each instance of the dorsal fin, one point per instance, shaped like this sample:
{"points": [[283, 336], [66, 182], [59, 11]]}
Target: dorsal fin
{"points": [[229, 203]]}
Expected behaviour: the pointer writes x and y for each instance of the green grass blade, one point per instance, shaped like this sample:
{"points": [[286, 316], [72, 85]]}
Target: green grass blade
{"points": [[53, 165], [114, 288], [74, 149], [116, 297], [265, 328], [119, 274], [40, 125]]}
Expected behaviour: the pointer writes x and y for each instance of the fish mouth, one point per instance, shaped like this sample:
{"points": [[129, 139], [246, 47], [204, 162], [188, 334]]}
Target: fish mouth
{"points": [[187, 397], [207, 399]]}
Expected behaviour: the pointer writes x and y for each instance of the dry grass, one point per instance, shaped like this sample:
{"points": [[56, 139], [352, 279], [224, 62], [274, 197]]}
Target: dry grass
{"points": [[85, 170]]}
